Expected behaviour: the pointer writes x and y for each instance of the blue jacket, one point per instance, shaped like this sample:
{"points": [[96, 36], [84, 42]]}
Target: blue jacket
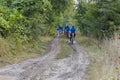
{"points": [[67, 28], [73, 30], [59, 28]]}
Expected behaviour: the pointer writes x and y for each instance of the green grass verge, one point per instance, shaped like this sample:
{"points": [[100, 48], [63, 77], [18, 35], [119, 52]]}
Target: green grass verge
{"points": [[65, 49], [102, 65], [10, 53]]}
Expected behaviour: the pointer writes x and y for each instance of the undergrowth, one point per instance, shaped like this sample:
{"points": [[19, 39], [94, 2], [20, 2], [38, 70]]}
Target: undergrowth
{"points": [[12, 51], [104, 58], [65, 50]]}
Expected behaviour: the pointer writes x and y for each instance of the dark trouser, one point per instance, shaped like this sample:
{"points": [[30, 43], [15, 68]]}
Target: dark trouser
{"points": [[72, 35], [64, 32], [67, 34]]}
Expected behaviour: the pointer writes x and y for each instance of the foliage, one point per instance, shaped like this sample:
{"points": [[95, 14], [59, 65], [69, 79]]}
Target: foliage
{"points": [[31, 18], [26, 24], [98, 18]]}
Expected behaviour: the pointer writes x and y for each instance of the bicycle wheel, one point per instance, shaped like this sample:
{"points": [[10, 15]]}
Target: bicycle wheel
{"points": [[72, 40]]}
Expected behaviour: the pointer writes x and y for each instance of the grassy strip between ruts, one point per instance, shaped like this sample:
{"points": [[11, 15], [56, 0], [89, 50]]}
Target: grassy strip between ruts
{"points": [[10, 54], [103, 64], [65, 49]]}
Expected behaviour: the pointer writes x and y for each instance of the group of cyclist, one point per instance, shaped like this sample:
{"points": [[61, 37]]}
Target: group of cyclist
{"points": [[67, 30]]}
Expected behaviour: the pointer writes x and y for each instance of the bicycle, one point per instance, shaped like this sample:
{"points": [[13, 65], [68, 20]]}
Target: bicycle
{"points": [[59, 33], [67, 34], [72, 35]]}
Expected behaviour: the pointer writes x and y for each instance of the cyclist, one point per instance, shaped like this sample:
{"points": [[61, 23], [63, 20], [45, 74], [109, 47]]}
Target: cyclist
{"points": [[59, 30], [67, 31], [72, 32], [65, 27]]}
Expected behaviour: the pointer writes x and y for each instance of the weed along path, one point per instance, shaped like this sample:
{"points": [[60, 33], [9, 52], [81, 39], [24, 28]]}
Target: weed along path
{"points": [[47, 67]]}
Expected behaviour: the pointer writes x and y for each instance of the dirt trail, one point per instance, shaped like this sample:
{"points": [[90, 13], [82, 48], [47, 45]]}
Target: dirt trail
{"points": [[49, 68]]}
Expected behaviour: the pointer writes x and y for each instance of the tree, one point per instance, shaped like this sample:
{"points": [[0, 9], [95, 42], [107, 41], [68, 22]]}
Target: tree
{"points": [[99, 18]]}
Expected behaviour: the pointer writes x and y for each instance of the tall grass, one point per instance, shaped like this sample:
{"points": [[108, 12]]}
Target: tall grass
{"points": [[65, 49], [111, 49], [12, 51], [104, 57]]}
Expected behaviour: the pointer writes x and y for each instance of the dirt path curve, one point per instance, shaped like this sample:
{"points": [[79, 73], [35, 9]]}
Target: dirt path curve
{"points": [[49, 68]]}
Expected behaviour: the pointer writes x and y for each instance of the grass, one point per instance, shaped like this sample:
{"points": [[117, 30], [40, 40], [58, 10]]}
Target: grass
{"points": [[10, 53], [104, 58], [65, 49]]}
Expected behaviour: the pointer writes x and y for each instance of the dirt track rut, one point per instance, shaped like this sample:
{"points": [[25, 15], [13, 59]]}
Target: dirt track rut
{"points": [[47, 67]]}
